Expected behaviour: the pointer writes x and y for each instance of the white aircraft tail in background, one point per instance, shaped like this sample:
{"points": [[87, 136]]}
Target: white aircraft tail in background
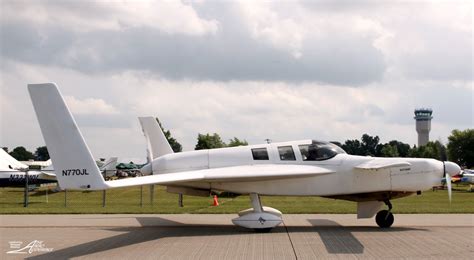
{"points": [[157, 144], [109, 167], [7, 162], [13, 173]]}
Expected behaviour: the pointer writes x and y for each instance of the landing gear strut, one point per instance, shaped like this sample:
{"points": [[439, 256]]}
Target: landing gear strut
{"points": [[261, 219], [385, 218]]}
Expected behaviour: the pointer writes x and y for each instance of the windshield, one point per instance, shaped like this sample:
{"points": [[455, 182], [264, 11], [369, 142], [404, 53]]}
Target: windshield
{"points": [[319, 151]]}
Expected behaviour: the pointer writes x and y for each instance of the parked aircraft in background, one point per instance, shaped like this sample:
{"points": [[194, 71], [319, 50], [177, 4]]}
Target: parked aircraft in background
{"points": [[468, 176], [297, 168], [12, 173], [109, 167], [38, 164], [7, 162]]}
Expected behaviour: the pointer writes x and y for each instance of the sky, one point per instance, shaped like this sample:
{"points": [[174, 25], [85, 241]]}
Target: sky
{"points": [[285, 70]]}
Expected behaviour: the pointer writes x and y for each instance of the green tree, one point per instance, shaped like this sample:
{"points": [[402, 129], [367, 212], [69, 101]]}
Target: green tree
{"points": [[393, 148], [208, 141], [175, 145], [414, 152], [41, 154], [403, 149], [353, 147], [21, 154], [370, 144], [237, 142], [389, 151], [461, 147], [442, 151], [435, 150]]}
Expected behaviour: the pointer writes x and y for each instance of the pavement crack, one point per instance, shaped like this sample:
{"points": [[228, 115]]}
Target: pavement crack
{"points": [[291, 242]]}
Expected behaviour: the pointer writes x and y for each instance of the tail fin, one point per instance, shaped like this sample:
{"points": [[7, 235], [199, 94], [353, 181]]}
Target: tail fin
{"points": [[8, 163], [157, 143], [109, 168], [73, 162], [110, 164]]}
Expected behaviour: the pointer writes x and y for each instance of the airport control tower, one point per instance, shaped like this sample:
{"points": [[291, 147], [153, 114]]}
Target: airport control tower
{"points": [[423, 118]]}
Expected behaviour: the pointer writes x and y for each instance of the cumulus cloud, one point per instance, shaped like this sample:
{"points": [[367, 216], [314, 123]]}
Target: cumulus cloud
{"points": [[252, 110], [266, 24], [330, 70], [89, 106], [114, 16], [340, 44], [265, 44]]}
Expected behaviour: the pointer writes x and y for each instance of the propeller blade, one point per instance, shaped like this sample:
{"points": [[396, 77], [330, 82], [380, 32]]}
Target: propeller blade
{"points": [[448, 183]]}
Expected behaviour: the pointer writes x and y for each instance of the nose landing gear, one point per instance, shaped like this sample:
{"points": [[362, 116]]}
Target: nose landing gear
{"points": [[384, 218]]}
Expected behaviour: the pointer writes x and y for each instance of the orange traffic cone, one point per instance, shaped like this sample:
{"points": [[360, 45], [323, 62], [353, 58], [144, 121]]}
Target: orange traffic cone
{"points": [[216, 203]]}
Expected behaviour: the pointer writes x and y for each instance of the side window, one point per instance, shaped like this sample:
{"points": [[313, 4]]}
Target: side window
{"points": [[286, 153], [308, 152], [314, 152], [260, 154]]}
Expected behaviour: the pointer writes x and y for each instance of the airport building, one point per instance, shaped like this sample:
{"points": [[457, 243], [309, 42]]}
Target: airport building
{"points": [[423, 118]]}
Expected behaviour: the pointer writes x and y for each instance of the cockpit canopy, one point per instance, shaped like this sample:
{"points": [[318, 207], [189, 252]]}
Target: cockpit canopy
{"points": [[319, 151]]}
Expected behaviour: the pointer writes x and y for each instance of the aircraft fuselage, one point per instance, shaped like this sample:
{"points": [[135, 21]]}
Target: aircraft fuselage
{"points": [[421, 174], [18, 178]]}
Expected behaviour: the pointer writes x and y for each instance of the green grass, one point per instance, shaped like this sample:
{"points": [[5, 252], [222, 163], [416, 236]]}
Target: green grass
{"points": [[127, 200]]}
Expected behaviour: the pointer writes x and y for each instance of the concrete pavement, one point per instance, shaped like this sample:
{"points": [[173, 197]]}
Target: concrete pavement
{"points": [[185, 236]]}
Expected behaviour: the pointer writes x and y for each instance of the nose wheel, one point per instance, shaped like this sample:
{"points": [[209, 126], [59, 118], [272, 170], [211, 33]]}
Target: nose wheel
{"points": [[384, 218]]}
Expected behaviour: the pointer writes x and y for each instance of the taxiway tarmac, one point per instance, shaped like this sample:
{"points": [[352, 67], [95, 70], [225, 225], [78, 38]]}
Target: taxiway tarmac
{"points": [[185, 236]]}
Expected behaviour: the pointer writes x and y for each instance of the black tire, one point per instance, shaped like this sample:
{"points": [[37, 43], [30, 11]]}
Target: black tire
{"points": [[384, 219], [262, 230]]}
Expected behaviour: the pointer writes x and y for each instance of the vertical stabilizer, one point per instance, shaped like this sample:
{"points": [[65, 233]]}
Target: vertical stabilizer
{"points": [[8, 163], [73, 162], [110, 164], [157, 143]]}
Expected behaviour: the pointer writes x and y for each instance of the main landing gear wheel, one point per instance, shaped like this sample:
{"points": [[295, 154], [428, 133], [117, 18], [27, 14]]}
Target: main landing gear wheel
{"points": [[259, 218], [384, 219]]}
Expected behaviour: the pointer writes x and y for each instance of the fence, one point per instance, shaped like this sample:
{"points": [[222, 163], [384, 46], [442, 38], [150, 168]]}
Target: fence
{"points": [[49, 199]]}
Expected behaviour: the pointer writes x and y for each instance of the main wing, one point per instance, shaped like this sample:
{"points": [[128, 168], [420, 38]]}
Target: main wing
{"points": [[227, 174], [47, 175]]}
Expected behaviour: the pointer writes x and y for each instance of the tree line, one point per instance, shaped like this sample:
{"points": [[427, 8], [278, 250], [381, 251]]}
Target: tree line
{"points": [[459, 149], [21, 154], [204, 141]]}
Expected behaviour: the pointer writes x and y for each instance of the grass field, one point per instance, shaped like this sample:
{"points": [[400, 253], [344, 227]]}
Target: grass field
{"points": [[128, 200]]}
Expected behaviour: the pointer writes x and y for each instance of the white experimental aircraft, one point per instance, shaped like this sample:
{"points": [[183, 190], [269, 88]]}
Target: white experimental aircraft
{"points": [[298, 168], [468, 176], [12, 173], [108, 168]]}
